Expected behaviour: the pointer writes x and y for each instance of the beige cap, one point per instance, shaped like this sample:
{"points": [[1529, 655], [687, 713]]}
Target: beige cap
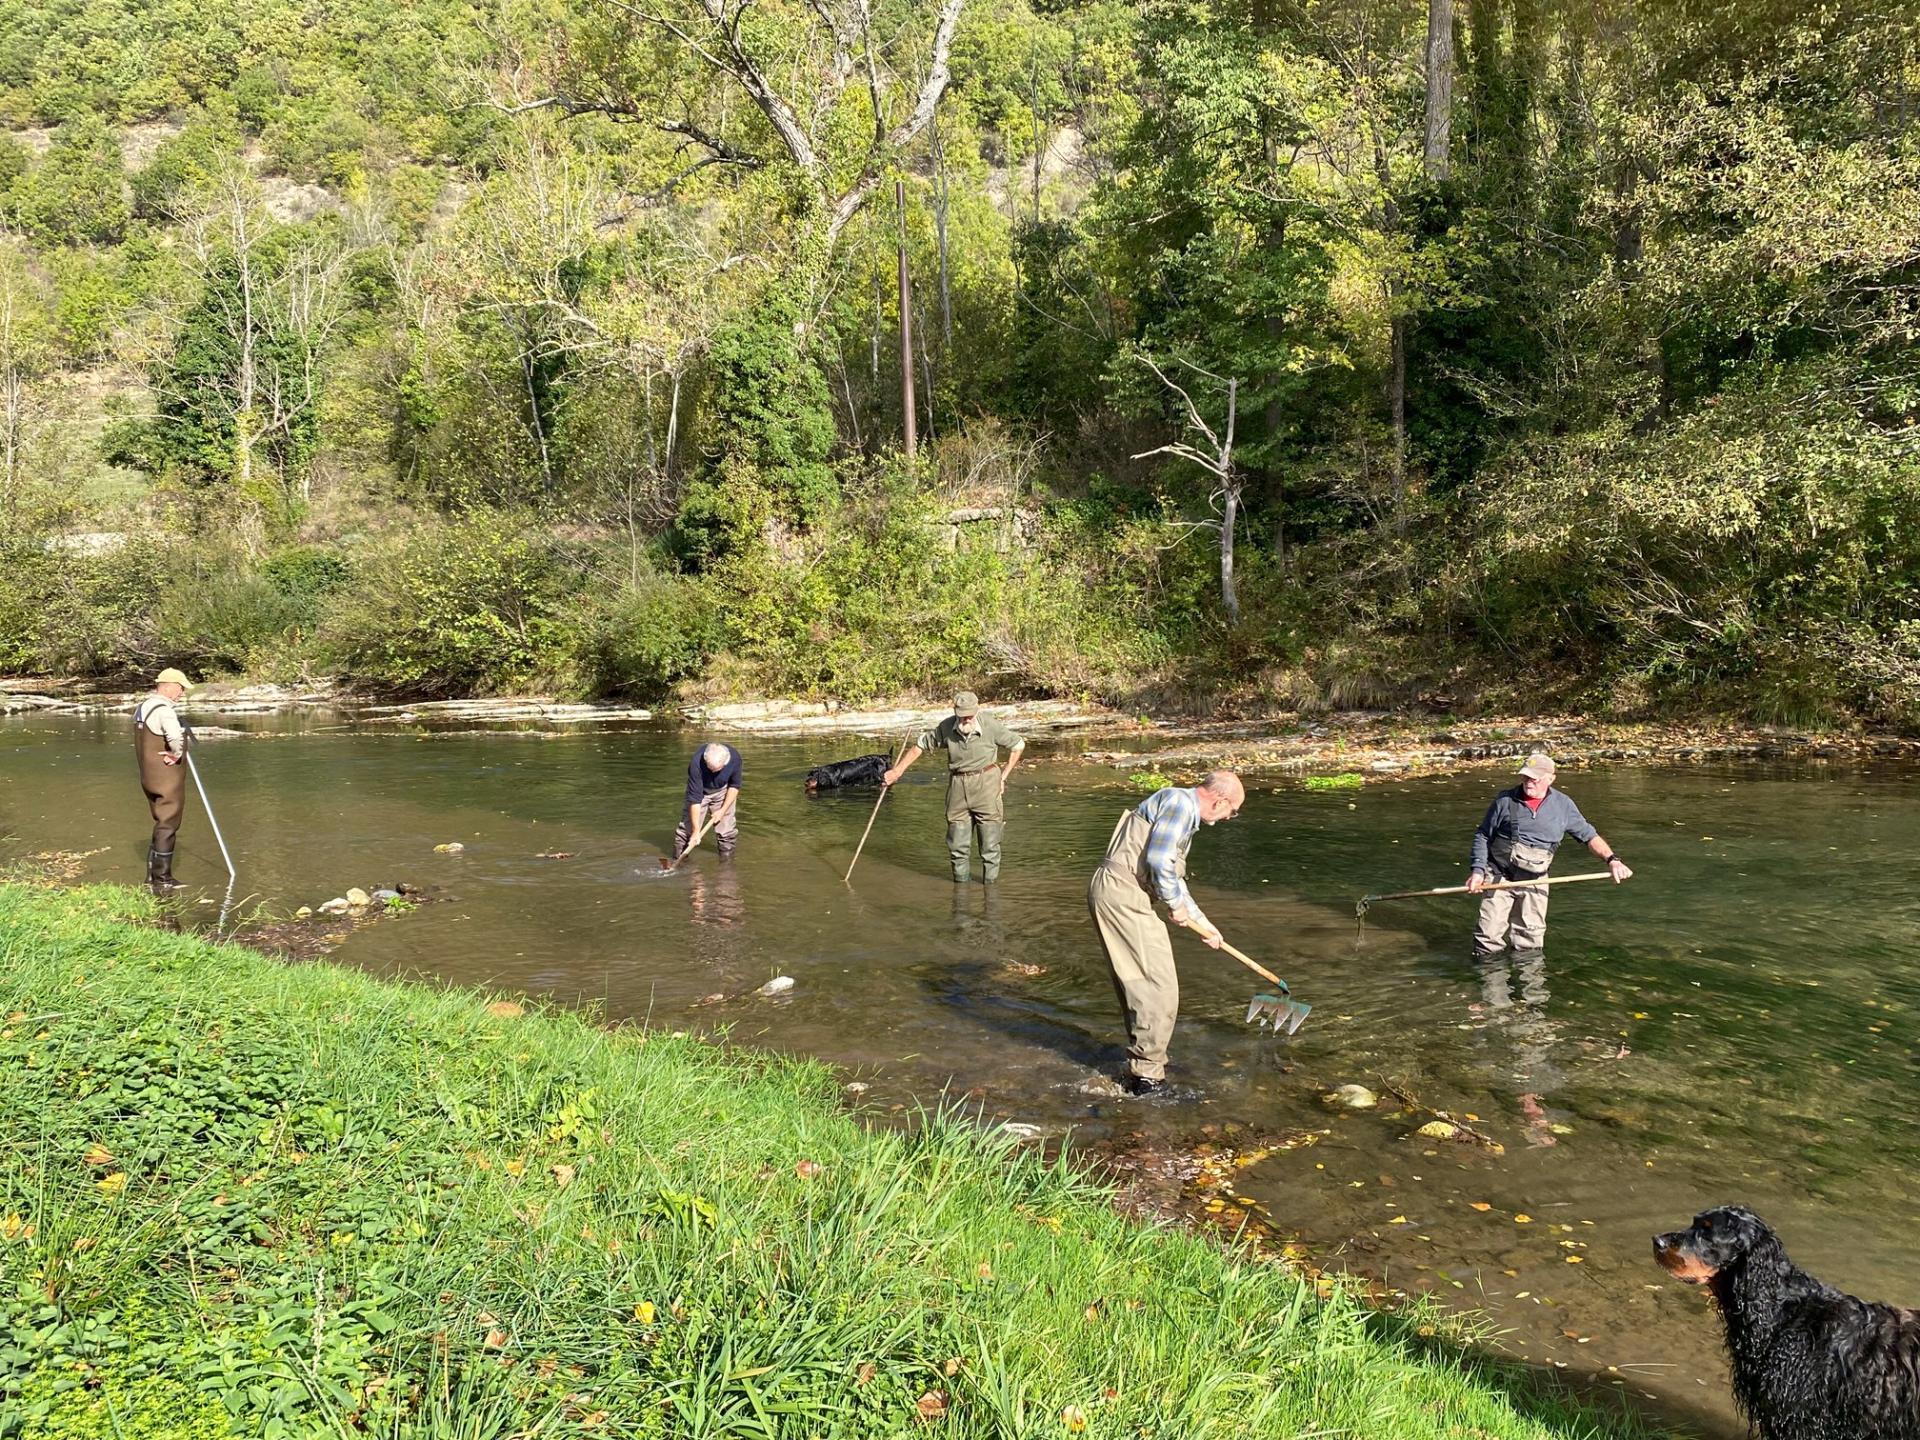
{"points": [[171, 676], [1539, 766], [966, 703]]}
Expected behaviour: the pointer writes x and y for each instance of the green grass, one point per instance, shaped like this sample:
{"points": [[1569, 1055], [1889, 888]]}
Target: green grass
{"points": [[1348, 780], [240, 1197]]}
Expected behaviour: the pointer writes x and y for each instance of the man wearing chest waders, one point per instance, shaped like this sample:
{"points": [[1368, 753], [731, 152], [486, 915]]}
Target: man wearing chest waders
{"points": [[1516, 841], [1147, 860], [160, 747], [976, 781]]}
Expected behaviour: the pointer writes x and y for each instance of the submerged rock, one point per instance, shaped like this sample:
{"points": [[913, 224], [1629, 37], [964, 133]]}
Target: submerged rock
{"points": [[779, 985], [1350, 1097]]}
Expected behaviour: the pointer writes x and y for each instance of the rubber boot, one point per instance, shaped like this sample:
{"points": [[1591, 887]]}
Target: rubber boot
{"points": [[960, 849], [160, 870], [990, 833]]}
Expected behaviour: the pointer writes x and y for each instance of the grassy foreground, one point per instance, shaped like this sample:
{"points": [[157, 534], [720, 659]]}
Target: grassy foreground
{"points": [[239, 1197]]}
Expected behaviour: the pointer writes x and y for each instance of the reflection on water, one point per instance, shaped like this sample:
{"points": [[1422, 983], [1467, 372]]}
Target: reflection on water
{"points": [[1736, 1023]]}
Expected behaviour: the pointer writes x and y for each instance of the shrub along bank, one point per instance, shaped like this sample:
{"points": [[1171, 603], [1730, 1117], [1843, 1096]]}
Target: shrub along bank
{"points": [[245, 1198]]}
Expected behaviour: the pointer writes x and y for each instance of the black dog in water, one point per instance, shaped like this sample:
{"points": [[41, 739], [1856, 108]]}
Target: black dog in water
{"points": [[837, 774], [1809, 1363]]}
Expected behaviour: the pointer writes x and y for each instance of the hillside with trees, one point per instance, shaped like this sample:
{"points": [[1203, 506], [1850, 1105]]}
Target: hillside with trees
{"points": [[1479, 353]]}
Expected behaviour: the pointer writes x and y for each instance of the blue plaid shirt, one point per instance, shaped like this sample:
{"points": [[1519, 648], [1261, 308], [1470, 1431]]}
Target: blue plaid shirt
{"points": [[1174, 815]]}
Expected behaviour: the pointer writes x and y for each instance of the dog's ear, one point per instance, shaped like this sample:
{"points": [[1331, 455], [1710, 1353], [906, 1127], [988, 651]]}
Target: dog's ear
{"points": [[1760, 1247]]}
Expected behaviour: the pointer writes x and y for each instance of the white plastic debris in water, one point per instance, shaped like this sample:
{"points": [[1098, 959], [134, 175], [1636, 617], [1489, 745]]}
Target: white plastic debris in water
{"points": [[779, 985], [1020, 1130], [453, 847]]}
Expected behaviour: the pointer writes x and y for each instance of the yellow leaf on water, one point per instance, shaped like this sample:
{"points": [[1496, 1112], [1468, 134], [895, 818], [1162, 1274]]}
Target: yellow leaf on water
{"points": [[1398, 1220], [1480, 1205], [1523, 1219], [1574, 1259]]}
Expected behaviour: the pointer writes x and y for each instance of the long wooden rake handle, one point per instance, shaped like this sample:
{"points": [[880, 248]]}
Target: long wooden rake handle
{"points": [[1256, 967], [700, 828], [1365, 900], [847, 879]]}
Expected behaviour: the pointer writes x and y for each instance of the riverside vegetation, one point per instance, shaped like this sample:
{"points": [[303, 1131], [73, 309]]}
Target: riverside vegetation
{"points": [[1310, 351], [239, 1197]]}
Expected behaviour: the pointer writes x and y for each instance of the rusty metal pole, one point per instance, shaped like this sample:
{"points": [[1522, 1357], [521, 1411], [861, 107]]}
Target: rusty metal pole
{"points": [[906, 326]]}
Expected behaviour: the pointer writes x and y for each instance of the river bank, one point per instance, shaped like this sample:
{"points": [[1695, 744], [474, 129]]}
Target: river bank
{"points": [[240, 1194], [1369, 746]]}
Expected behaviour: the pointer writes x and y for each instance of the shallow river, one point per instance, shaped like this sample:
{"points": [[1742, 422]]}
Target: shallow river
{"points": [[1737, 1023]]}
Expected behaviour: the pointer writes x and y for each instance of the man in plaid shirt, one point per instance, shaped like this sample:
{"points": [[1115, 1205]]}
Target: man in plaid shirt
{"points": [[1146, 860]]}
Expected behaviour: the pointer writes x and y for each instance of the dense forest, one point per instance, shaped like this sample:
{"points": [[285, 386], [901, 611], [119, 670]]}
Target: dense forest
{"points": [[1476, 353]]}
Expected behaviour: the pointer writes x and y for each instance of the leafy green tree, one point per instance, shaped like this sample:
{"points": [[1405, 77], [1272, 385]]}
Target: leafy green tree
{"points": [[75, 194]]}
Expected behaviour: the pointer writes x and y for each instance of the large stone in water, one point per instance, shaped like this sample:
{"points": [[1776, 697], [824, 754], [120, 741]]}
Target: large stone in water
{"points": [[358, 898], [1350, 1097]]}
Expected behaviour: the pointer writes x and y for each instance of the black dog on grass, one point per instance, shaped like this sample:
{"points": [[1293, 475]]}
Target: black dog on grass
{"points": [[1809, 1363], [837, 774]]}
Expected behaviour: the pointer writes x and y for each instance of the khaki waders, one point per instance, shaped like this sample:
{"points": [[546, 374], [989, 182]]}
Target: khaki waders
{"points": [[166, 789], [974, 803], [1519, 913], [1138, 945], [726, 832]]}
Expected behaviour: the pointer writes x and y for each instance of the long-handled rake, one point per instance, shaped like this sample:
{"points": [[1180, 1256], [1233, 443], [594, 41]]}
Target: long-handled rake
{"points": [[700, 828], [1278, 1009]]}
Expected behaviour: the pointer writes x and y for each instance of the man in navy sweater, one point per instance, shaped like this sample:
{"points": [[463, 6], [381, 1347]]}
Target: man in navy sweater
{"points": [[713, 788], [1516, 841]]}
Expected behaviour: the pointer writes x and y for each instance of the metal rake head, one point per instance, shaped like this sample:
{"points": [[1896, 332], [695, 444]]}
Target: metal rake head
{"points": [[1282, 1012]]}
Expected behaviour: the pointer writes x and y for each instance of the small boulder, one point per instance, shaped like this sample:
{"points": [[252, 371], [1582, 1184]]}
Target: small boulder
{"points": [[1438, 1130], [358, 898], [335, 906], [385, 895], [453, 847], [303, 912], [779, 985], [1350, 1097]]}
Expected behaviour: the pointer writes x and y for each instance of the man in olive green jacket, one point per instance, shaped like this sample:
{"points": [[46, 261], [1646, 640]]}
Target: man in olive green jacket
{"points": [[976, 780]]}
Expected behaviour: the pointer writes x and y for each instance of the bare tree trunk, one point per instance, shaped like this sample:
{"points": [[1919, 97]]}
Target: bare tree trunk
{"points": [[533, 412], [1439, 148], [1397, 412], [1230, 508], [940, 237], [907, 416]]}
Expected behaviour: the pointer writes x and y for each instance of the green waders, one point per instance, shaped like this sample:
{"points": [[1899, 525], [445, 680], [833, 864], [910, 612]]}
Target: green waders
{"points": [[973, 802]]}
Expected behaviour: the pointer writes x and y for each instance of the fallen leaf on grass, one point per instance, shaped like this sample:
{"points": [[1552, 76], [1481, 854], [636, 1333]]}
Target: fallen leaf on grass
{"points": [[506, 1010], [932, 1405], [15, 1228], [807, 1169], [515, 1168], [864, 1375], [1074, 1418], [113, 1184], [97, 1154], [496, 1339], [643, 1312], [952, 1367], [563, 1175]]}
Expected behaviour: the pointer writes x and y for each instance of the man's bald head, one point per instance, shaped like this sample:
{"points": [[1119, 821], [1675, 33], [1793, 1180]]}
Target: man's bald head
{"points": [[1221, 796]]}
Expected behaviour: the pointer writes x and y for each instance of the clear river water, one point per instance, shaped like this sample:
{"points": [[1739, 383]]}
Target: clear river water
{"points": [[1735, 1024]]}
